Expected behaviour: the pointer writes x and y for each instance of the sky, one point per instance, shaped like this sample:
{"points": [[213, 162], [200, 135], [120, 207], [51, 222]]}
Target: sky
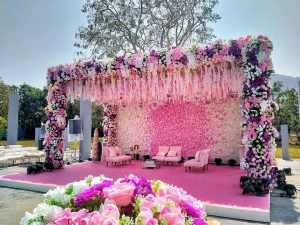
{"points": [[35, 35]]}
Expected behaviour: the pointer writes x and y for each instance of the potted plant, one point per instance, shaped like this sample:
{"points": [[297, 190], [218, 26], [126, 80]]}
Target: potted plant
{"points": [[218, 161], [231, 162]]}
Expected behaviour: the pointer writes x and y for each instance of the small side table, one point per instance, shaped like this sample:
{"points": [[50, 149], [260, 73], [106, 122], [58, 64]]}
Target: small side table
{"points": [[151, 164]]}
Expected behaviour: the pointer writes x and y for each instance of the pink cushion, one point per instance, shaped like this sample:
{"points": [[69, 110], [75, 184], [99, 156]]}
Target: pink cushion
{"points": [[162, 150], [193, 163], [114, 151], [172, 153], [173, 159], [177, 149], [197, 155]]}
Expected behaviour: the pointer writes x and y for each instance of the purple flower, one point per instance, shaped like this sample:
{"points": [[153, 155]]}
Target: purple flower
{"points": [[95, 190], [198, 221], [235, 50], [190, 210]]}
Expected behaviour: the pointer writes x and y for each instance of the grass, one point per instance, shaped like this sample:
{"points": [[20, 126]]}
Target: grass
{"points": [[25, 143], [294, 152]]}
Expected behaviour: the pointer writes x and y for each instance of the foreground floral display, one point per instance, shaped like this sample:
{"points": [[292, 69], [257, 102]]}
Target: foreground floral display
{"points": [[240, 68], [127, 201]]}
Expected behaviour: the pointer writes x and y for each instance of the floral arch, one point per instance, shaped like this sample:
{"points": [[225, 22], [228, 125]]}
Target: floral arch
{"points": [[238, 68]]}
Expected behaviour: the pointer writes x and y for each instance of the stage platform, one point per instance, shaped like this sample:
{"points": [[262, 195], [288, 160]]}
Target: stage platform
{"points": [[218, 188]]}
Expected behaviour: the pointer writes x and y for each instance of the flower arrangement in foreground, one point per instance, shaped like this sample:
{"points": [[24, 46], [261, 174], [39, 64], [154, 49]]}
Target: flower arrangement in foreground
{"points": [[128, 200]]}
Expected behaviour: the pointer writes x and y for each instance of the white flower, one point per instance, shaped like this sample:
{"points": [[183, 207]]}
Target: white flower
{"points": [[79, 186], [49, 212], [28, 216], [59, 195], [263, 106]]}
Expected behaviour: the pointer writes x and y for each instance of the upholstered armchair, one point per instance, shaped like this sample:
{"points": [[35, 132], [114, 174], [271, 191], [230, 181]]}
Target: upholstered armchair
{"points": [[200, 160]]}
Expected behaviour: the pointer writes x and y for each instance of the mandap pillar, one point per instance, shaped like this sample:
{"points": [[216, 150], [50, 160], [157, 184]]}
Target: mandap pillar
{"points": [[86, 123], [13, 111]]}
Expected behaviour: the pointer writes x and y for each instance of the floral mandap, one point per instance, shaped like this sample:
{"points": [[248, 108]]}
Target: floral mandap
{"points": [[239, 68], [126, 201]]}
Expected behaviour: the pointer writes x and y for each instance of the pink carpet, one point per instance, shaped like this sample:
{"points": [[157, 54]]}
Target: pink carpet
{"points": [[218, 185]]}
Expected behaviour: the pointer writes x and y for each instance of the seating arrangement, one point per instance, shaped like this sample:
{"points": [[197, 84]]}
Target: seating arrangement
{"points": [[115, 156], [19, 153], [168, 154], [200, 160]]}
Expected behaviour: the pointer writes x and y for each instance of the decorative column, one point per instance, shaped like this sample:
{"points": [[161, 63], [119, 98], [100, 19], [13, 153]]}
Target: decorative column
{"points": [[13, 111], [110, 125], [284, 133], [86, 123]]}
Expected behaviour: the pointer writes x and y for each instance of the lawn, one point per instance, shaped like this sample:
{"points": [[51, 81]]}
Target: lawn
{"points": [[294, 152], [25, 143]]}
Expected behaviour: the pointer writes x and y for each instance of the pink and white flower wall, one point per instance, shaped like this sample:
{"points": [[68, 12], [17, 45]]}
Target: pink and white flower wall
{"points": [[239, 69], [216, 126]]}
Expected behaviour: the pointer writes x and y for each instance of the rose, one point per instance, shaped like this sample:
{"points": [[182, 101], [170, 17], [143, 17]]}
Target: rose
{"points": [[111, 210], [147, 217], [49, 212], [120, 193]]}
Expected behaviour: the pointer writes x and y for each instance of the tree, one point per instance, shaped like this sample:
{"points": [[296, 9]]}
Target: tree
{"points": [[3, 126], [288, 112], [31, 108], [6, 91], [122, 26]]}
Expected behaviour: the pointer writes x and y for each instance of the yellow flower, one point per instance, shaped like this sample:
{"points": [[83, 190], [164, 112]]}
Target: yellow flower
{"points": [[213, 222]]}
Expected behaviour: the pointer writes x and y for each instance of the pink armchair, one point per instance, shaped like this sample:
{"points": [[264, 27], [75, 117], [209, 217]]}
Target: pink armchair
{"points": [[200, 161], [115, 156]]}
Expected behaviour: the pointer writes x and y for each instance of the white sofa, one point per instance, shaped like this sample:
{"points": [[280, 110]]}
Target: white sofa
{"points": [[168, 154]]}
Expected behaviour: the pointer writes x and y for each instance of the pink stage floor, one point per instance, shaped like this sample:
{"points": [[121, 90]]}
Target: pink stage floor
{"points": [[218, 185]]}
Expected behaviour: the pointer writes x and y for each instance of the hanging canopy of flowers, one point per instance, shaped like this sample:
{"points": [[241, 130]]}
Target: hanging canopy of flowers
{"points": [[127, 201], [238, 68]]}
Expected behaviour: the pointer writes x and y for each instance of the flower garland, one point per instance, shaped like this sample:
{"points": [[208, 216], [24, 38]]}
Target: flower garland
{"points": [[236, 68], [110, 125], [55, 126], [127, 201], [258, 109]]}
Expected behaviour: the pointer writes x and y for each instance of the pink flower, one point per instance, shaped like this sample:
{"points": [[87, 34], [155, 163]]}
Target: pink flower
{"points": [[147, 217], [111, 221], [96, 218], [174, 218], [120, 193], [111, 210], [176, 54], [147, 202]]}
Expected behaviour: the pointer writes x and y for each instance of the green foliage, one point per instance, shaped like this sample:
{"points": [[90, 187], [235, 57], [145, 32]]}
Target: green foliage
{"points": [[69, 189], [36, 220], [288, 113], [51, 201], [32, 106], [126, 220], [6, 90], [3, 126]]}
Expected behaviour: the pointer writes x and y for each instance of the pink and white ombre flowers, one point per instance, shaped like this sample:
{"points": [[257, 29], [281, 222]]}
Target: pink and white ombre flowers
{"points": [[127, 201]]}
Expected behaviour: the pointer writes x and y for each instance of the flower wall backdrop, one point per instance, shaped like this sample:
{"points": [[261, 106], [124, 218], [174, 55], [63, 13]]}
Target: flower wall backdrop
{"points": [[198, 74], [216, 126]]}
